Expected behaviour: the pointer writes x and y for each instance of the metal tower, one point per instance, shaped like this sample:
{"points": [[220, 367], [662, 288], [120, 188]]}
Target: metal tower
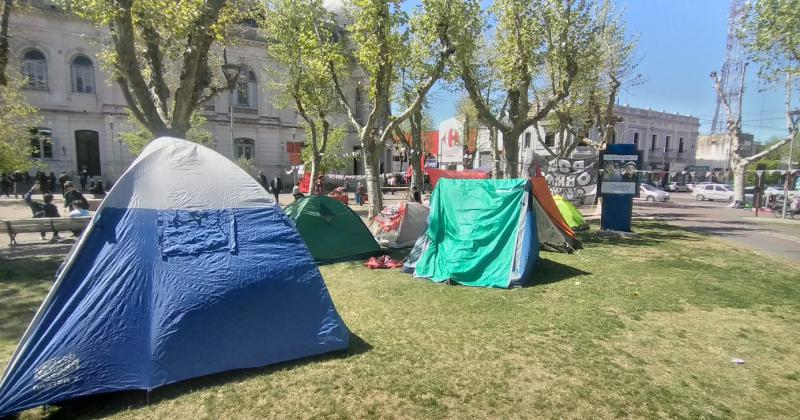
{"points": [[732, 70]]}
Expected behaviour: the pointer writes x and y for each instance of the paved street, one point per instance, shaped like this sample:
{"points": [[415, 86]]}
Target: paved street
{"points": [[765, 233]]}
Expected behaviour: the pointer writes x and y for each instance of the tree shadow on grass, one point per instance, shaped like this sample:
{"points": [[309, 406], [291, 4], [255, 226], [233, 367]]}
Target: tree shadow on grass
{"points": [[644, 234], [103, 405], [549, 271]]}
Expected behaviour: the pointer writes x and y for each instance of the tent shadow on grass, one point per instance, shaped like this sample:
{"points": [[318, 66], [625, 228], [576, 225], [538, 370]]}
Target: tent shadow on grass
{"points": [[549, 271], [103, 405]]}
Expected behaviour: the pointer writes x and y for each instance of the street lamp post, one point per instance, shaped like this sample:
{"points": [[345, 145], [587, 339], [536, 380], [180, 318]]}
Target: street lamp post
{"points": [[795, 117], [231, 72]]}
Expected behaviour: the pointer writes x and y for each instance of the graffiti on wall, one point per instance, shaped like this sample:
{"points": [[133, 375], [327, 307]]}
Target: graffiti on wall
{"points": [[573, 179]]}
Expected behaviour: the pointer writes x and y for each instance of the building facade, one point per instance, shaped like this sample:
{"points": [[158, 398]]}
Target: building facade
{"points": [[666, 141], [83, 112]]}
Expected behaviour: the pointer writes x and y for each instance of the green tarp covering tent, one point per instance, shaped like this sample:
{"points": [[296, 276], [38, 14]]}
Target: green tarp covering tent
{"points": [[480, 233], [331, 230], [571, 215]]}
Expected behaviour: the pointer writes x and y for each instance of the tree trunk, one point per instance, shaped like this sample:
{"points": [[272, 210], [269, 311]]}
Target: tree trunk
{"points": [[495, 152], [416, 153], [315, 163], [372, 158], [7, 4], [738, 181], [511, 151]]}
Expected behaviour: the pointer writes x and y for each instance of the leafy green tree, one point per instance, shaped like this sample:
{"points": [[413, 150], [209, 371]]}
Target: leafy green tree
{"points": [[539, 45], [333, 158], [16, 119], [159, 54], [306, 46], [5, 17], [139, 137], [381, 39], [769, 32]]}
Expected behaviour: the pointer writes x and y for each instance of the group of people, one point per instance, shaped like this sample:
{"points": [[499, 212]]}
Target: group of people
{"points": [[274, 186], [19, 181], [74, 202]]}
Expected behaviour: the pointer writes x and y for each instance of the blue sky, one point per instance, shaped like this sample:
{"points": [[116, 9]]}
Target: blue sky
{"points": [[680, 43]]}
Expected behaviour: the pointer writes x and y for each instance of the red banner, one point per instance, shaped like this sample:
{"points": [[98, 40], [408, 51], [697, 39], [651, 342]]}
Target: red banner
{"points": [[435, 174]]}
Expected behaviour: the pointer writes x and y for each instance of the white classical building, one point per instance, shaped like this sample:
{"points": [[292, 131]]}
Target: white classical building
{"points": [[83, 112], [667, 141]]}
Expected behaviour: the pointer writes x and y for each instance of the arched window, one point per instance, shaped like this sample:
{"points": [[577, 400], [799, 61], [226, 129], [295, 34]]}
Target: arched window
{"points": [[34, 68], [82, 75], [247, 90], [245, 148]]}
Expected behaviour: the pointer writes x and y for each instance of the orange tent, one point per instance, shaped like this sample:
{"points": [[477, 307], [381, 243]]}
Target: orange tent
{"points": [[546, 204]]}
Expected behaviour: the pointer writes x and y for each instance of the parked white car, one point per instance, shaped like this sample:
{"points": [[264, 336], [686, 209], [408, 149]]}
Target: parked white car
{"points": [[650, 193], [677, 187], [711, 192]]}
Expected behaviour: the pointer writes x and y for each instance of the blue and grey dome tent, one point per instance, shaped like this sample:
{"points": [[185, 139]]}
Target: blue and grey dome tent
{"points": [[188, 268]]}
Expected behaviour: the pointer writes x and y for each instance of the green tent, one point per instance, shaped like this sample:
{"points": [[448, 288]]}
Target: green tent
{"points": [[571, 215], [480, 233], [331, 230]]}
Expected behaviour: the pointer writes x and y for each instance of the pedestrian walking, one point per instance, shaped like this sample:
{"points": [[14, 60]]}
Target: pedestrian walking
{"points": [[416, 195], [262, 179], [276, 186]]}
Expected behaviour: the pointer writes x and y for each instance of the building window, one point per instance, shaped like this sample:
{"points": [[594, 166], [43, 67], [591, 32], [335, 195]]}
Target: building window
{"points": [[666, 144], [653, 142], [41, 143], [527, 143], [247, 90], [680, 145], [34, 68], [82, 75], [636, 140], [245, 148], [550, 139], [294, 149]]}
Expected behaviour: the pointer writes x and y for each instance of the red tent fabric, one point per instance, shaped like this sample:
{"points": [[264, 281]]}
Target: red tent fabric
{"points": [[435, 174]]}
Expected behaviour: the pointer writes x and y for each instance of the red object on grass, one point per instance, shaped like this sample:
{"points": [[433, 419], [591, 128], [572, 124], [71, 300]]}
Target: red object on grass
{"points": [[383, 261]]}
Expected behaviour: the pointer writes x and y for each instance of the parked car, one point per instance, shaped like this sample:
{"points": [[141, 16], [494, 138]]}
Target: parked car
{"points": [[711, 192], [677, 187], [650, 193]]}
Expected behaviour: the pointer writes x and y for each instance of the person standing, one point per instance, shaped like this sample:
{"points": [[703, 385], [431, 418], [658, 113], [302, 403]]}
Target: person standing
{"points": [[63, 178], [262, 179], [19, 180], [319, 185], [360, 194], [5, 184], [44, 184], [276, 185], [84, 178], [52, 180]]}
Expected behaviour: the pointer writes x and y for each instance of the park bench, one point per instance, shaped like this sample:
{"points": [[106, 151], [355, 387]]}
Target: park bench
{"points": [[43, 224]]}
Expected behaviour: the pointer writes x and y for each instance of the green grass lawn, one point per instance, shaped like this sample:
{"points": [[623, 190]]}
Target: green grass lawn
{"points": [[636, 327]]}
